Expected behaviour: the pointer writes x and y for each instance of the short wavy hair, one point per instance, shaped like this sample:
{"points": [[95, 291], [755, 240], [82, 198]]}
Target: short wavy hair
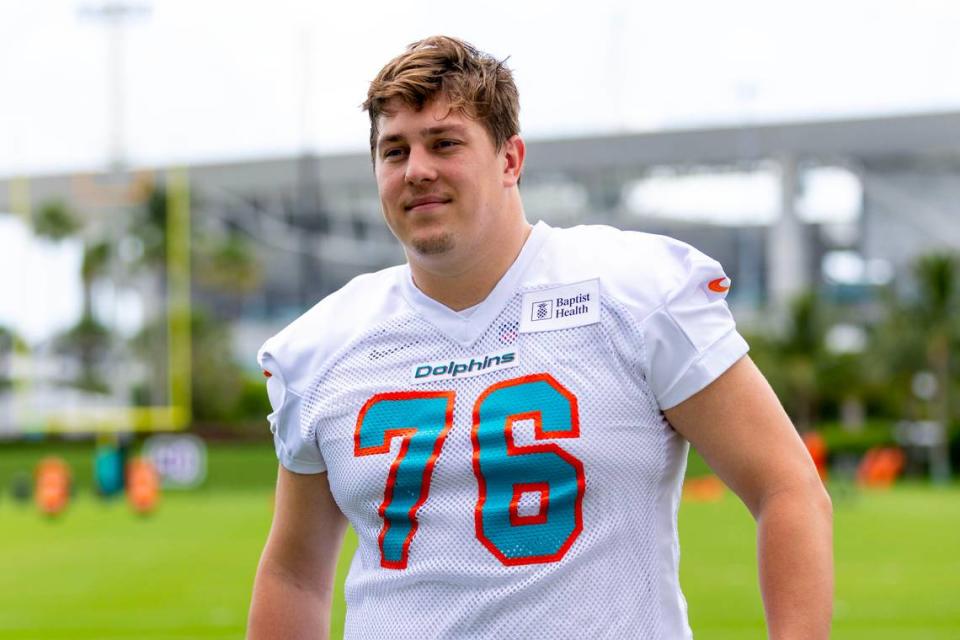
{"points": [[475, 84]]}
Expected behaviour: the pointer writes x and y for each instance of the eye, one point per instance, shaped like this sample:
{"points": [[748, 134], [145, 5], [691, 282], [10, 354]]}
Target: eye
{"points": [[392, 153], [447, 144]]}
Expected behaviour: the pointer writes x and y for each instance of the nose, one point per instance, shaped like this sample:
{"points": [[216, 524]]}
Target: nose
{"points": [[420, 166]]}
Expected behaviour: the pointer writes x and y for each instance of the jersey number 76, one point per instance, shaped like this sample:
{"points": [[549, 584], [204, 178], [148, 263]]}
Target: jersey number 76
{"points": [[504, 470]]}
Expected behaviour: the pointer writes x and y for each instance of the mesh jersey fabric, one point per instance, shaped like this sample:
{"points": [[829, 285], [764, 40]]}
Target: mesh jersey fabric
{"points": [[346, 370]]}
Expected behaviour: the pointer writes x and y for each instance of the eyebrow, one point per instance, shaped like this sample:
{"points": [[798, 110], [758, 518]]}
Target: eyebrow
{"points": [[425, 133]]}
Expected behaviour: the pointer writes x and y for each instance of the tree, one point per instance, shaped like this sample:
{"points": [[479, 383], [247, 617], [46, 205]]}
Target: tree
{"points": [[802, 350], [89, 340], [920, 332], [55, 221], [217, 380], [8, 342], [811, 380], [936, 310]]}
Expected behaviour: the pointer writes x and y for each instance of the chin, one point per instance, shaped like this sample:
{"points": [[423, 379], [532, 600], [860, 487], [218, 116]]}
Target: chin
{"points": [[432, 245]]}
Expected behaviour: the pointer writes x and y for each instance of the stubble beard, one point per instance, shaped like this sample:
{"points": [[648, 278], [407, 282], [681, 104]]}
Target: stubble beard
{"points": [[434, 245]]}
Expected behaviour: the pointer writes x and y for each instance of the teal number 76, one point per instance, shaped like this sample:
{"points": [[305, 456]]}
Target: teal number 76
{"points": [[505, 471]]}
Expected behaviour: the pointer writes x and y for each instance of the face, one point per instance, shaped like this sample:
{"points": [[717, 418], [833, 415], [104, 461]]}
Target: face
{"points": [[444, 187]]}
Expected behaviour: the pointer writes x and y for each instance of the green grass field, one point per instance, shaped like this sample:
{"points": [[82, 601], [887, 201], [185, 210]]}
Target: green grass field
{"points": [[101, 572]]}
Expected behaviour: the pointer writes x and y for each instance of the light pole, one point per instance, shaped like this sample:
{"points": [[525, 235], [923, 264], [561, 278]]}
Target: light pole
{"points": [[116, 14]]}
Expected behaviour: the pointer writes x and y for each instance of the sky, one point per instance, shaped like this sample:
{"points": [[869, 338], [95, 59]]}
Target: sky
{"points": [[220, 80], [217, 80]]}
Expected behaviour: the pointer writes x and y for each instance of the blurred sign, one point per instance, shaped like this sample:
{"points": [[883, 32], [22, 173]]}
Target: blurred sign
{"points": [[926, 442], [921, 433], [180, 460]]}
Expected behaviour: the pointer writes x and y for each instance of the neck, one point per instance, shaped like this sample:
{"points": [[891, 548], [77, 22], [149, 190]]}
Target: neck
{"points": [[471, 279]]}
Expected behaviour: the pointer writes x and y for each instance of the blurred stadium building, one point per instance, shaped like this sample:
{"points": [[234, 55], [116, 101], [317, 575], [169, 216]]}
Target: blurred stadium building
{"points": [[890, 191]]}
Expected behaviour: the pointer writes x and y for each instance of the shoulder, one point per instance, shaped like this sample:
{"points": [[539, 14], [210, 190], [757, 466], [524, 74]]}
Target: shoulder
{"points": [[673, 293], [303, 348], [640, 270]]}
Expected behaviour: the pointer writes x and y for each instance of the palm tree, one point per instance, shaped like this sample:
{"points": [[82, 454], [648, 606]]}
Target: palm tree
{"points": [[808, 377], [55, 221], [802, 351], [920, 333], [227, 267], [88, 340], [937, 306]]}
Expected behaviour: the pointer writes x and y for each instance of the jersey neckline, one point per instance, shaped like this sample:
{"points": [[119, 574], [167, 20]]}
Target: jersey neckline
{"points": [[467, 329]]}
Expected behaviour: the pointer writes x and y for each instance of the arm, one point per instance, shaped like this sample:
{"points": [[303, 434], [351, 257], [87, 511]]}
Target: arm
{"points": [[741, 430], [294, 584]]}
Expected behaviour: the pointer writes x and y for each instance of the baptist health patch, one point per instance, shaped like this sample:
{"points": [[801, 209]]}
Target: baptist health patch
{"points": [[572, 305]]}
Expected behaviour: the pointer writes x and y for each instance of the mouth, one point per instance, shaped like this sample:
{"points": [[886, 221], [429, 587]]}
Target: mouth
{"points": [[426, 203]]}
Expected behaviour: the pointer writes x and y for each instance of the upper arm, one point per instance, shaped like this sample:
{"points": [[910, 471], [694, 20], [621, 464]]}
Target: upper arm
{"points": [[307, 530], [738, 425]]}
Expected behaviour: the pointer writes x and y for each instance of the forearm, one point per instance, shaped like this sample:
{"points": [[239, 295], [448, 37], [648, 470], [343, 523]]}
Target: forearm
{"points": [[795, 552], [284, 608]]}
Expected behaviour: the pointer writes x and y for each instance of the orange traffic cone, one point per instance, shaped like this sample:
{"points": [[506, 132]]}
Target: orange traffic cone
{"points": [[880, 467], [53, 485], [817, 448], [143, 485]]}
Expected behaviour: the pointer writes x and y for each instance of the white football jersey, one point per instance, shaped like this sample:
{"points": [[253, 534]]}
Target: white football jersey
{"points": [[508, 468]]}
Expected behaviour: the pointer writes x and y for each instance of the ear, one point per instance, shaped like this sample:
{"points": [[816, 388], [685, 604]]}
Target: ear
{"points": [[514, 151]]}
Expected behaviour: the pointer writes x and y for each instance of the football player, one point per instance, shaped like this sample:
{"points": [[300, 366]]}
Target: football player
{"points": [[504, 420]]}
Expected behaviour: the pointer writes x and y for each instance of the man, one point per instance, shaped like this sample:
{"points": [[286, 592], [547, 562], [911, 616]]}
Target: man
{"points": [[504, 419]]}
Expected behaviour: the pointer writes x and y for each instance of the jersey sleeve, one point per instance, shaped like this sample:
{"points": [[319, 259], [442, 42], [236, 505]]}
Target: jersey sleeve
{"points": [[295, 452], [691, 337]]}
